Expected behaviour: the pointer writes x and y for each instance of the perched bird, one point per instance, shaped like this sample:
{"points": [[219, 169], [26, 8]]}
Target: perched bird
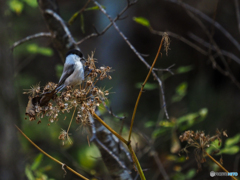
{"points": [[73, 71]]}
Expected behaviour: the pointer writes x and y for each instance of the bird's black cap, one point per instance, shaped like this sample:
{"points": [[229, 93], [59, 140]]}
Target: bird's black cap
{"points": [[75, 51]]}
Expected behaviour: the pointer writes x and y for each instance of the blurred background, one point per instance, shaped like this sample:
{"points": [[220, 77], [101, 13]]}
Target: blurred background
{"points": [[203, 94]]}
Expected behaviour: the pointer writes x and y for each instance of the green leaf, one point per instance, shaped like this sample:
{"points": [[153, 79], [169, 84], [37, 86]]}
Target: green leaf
{"points": [[88, 156], [230, 150], [37, 161], [45, 51], [181, 91], [190, 174], [166, 123], [16, 6], [191, 119], [148, 86], [141, 20], [203, 112], [34, 49], [213, 147], [233, 140], [187, 118], [32, 3], [159, 131], [184, 69], [29, 173], [94, 8], [82, 23], [149, 124]]}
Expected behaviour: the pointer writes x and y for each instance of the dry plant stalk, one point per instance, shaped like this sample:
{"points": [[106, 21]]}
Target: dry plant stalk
{"points": [[84, 100], [200, 141]]}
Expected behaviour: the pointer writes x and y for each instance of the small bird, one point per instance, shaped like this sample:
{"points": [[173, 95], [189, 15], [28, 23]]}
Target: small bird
{"points": [[73, 71]]}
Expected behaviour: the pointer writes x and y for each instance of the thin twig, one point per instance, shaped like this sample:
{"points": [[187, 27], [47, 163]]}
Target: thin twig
{"points": [[211, 21], [226, 72], [159, 164], [237, 13], [181, 38], [71, 120], [111, 112], [34, 36], [167, 69], [59, 162], [136, 52], [214, 160], [72, 19], [108, 26], [141, 90], [208, 45]]}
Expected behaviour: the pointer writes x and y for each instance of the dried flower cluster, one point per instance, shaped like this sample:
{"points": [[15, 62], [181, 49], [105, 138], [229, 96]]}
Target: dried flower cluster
{"points": [[200, 141], [85, 98]]}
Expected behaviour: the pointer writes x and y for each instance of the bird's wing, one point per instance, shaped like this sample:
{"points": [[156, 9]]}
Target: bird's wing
{"points": [[67, 71]]}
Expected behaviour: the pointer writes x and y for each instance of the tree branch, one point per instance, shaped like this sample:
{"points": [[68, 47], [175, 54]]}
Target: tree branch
{"points": [[34, 36], [136, 52], [129, 4]]}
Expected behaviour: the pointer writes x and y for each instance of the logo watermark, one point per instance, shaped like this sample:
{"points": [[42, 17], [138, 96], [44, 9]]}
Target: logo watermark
{"points": [[212, 174]]}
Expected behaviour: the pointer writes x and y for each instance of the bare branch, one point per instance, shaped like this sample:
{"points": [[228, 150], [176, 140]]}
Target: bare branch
{"points": [[109, 25], [58, 18], [167, 69], [34, 36], [107, 144], [181, 38], [208, 45], [72, 19], [211, 21], [137, 53]]}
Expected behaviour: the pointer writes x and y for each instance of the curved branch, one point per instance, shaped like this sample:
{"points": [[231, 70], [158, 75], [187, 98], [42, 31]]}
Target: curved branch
{"points": [[34, 36]]}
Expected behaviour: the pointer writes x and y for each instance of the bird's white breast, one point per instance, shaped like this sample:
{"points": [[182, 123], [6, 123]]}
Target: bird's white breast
{"points": [[77, 76]]}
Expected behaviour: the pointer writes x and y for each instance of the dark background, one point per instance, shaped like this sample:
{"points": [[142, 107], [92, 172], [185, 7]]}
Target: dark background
{"points": [[207, 87]]}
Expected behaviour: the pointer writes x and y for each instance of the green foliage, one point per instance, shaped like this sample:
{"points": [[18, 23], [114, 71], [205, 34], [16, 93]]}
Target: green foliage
{"points": [[184, 69], [37, 161], [34, 171], [82, 23], [34, 49], [88, 156], [94, 8], [59, 70], [230, 146], [141, 20], [189, 175], [181, 91], [75, 15], [232, 141], [32, 3], [148, 86], [17, 5], [182, 123], [179, 70]]}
